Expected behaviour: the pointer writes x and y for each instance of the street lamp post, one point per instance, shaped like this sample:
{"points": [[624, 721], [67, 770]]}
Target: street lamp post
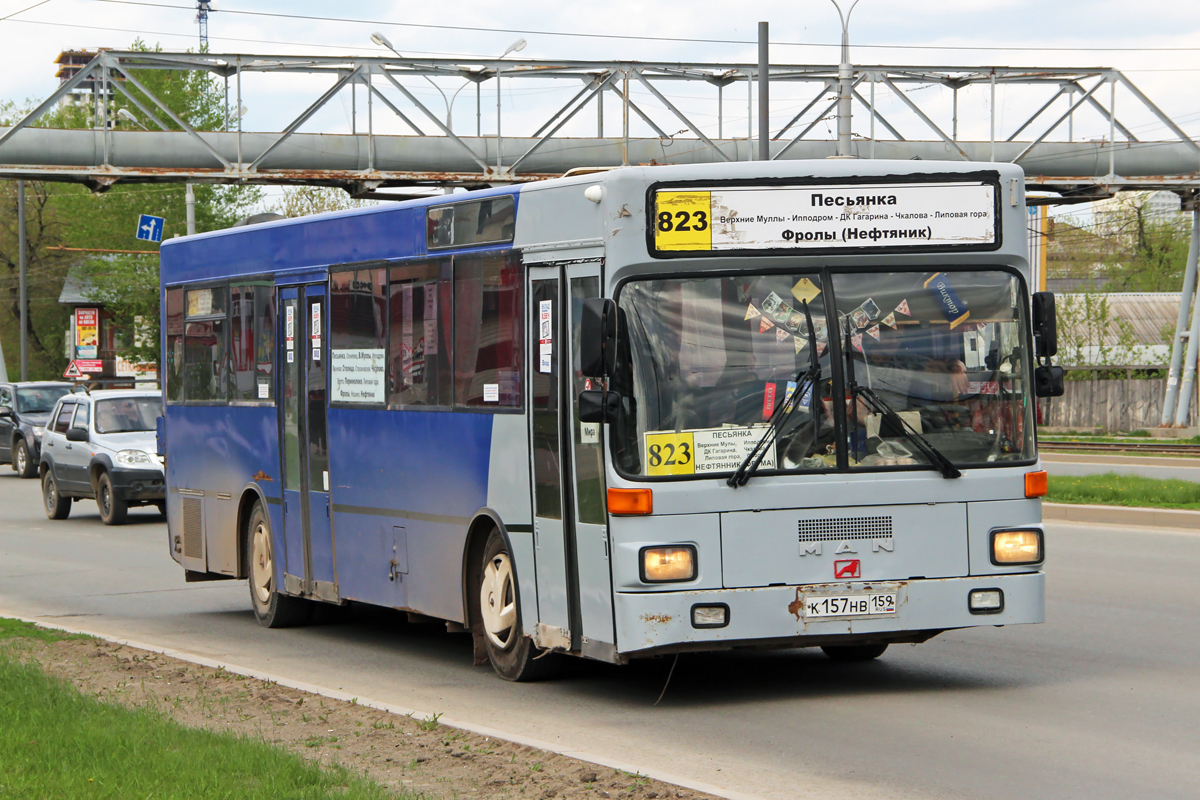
{"points": [[516, 46], [845, 79]]}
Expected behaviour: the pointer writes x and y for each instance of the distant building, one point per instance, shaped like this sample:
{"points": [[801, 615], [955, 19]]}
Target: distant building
{"points": [[69, 63], [1115, 215]]}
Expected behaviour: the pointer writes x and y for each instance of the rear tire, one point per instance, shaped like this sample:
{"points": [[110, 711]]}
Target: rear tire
{"points": [[272, 609], [22, 462], [498, 612], [56, 506], [849, 653], [112, 508]]}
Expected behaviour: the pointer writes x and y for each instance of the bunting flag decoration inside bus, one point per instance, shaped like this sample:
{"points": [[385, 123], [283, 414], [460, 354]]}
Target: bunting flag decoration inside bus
{"points": [[751, 312], [856, 340], [781, 334], [958, 214], [801, 343], [953, 308], [889, 320], [765, 324], [873, 331], [903, 308]]}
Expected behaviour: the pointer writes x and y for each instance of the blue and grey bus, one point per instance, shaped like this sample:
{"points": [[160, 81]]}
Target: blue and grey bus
{"points": [[622, 414]]}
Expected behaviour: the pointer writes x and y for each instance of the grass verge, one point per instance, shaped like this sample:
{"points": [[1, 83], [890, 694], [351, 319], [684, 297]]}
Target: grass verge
{"points": [[1111, 489], [58, 742]]}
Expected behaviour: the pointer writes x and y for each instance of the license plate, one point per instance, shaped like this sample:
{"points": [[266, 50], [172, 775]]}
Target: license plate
{"points": [[849, 605]]}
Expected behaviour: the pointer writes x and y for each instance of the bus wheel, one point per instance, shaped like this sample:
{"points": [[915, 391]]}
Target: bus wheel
{"points": [[512, 654], [112, 508], [854, 652], [271, 608], [57, 506]]}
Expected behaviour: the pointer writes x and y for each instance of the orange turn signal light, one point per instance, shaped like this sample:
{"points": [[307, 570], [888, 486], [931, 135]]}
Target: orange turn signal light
{"points": [[1035, 484], [630, 501]]}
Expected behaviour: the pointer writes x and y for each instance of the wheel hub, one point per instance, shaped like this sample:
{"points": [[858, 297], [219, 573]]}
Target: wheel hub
{"points": [[498, 607], [262, 568]]}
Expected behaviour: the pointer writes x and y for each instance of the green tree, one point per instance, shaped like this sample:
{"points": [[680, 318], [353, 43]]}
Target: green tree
{"points": [[69, 215]]}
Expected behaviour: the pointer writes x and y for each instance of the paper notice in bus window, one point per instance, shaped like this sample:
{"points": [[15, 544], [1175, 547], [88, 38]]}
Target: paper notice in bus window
{"points": [[545, 321], [431, 315], [703, 451], [357, 376], [589, 433], [491, 393], [264, 391], [546, 356]]}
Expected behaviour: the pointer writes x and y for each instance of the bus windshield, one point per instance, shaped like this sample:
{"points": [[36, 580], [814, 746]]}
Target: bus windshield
{"points": [[708, 360]]}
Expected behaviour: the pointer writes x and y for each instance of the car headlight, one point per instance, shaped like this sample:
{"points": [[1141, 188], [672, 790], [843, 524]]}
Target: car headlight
{"points": [[37, 433], [131, 457], [668, 564], [1017, 547]]}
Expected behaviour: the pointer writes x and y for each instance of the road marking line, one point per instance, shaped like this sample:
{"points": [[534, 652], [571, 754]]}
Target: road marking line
{"points": [[336, 694]]}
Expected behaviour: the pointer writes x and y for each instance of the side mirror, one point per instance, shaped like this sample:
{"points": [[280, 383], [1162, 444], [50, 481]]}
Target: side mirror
{"points": [[597, 405], [1045, 325], [160, 439], [77, 435], [1048, 382], [5, 412], [598, 337]]}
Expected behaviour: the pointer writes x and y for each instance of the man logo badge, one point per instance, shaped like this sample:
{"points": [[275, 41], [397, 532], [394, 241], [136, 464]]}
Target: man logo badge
{"points": [[847, 568]]}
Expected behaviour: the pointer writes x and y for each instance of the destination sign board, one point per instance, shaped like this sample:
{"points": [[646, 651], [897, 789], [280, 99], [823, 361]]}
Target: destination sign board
{"points": [[831, 217]]}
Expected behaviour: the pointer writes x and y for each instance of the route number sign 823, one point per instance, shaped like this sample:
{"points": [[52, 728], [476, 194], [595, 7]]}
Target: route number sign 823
{"points": [[683, 220]]}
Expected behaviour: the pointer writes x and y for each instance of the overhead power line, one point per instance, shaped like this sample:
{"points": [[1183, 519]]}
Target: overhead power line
{"points": [[532, 32]]}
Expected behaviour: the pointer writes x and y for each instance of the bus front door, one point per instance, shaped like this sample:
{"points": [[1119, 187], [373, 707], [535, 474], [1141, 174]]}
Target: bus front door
{"points": [[574, 583], [308, 533]]}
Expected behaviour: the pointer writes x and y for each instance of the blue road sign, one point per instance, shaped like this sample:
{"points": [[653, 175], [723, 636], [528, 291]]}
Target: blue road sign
{"points": [[150, 228]]}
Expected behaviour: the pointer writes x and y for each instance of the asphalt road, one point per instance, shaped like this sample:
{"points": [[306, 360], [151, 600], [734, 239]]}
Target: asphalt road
{"points": [[1103, 701], [1185, 469]]}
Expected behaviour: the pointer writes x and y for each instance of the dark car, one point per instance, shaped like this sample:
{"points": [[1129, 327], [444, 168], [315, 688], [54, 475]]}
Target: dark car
{"points": [[24, 411]]}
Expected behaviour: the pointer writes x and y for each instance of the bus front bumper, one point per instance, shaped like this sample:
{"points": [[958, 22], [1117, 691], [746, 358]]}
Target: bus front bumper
{"points": [[652, 623]]}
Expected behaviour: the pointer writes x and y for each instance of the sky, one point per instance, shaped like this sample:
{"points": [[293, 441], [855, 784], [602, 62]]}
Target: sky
{"points": [[1155, 43]]}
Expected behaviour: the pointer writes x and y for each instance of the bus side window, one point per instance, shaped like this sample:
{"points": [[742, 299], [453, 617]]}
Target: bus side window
{"points": [[358, 336], [205, 361], [419, 312], [173, 358], [488, 303]]}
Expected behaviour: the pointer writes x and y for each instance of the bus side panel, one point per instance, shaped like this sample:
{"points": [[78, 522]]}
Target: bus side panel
{"points": [[217, 450], [423, 471], [508, 495]]}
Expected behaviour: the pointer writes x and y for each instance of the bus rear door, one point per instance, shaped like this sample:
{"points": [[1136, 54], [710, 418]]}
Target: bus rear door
{"points": [[309, 556], [574, 583]]}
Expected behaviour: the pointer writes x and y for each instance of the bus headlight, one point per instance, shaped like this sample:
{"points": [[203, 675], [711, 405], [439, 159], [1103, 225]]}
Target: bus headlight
{"points": [[668, 564], [1017, 547], [131, 457]]}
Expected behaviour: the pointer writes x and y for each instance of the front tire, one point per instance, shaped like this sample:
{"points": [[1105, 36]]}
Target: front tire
{"points": [[850, 653], [272, 609], [56, 506], [112, 508], [22, 461], [511, 653]]}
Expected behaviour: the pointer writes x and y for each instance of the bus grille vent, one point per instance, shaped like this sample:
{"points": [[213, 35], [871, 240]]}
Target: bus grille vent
{"points": [[842, 528], [193, 528]]}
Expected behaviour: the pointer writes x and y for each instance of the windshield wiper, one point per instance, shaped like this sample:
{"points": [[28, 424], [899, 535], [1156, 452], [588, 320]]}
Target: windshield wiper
{"points": [[783, 412], [936, 458]]}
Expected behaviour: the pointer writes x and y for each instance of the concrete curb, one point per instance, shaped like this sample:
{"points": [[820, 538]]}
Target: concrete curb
{"points": [[1122, 515], [336, 694]]}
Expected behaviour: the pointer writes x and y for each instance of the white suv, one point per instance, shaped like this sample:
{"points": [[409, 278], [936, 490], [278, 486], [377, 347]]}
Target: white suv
{"points": [[103, 445]]}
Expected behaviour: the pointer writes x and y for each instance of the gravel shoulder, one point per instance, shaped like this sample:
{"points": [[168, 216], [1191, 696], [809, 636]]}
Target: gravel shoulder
{"points": [[407, 755]]}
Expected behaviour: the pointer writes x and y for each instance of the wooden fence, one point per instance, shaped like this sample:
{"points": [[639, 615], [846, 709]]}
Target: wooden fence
{"points": [[1113, 405]]}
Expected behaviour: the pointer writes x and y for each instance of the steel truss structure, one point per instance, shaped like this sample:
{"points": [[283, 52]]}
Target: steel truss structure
{"points": [[433, 155]]}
